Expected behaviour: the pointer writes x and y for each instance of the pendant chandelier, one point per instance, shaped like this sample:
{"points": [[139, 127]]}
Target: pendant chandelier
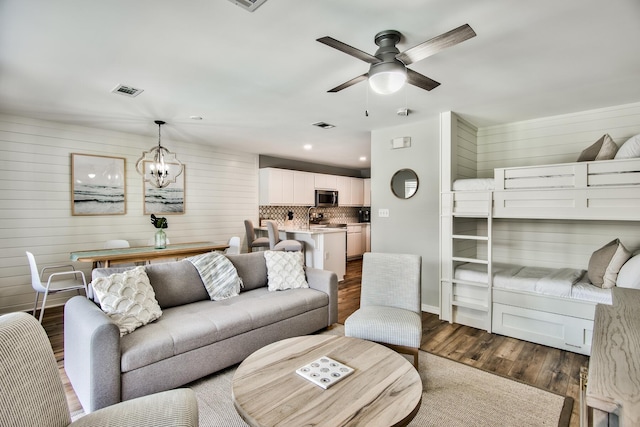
{"points": [[159, 166]]}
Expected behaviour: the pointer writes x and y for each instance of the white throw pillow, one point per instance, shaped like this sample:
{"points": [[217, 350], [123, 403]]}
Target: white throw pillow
{"points": [[630, 149], [629, 275], [285, 270], [128, 299], [605, 263]]}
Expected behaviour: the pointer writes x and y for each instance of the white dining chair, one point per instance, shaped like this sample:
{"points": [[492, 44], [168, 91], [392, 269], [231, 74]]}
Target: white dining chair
{"points": [[53, 284], [234, 246]]}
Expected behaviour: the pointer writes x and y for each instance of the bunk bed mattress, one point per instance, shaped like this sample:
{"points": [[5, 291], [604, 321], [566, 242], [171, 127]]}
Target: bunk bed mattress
{"points": [[559, 282], [474, 184]]}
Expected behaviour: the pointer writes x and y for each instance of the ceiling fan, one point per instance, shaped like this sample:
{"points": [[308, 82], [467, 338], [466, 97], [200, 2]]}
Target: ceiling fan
{"points": [[388, 71]]}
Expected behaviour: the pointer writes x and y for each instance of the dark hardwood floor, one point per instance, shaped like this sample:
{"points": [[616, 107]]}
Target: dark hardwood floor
{"points": [[540, 366]]}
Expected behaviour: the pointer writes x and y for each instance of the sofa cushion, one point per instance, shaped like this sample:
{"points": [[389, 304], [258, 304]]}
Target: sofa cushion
{"points": [[251, 268], [128, 299], [285, 270], [212, 321], [176, 283]]}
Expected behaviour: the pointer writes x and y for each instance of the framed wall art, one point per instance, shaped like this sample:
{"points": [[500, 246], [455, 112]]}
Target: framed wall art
{"points": [[97, 185], [168, 200]]}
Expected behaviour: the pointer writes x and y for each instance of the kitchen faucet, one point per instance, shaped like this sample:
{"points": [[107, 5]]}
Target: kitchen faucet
{"points": [[309, 217]]}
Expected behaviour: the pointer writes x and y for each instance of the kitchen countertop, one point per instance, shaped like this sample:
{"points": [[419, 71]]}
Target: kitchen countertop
{"points": [[312, 230]]}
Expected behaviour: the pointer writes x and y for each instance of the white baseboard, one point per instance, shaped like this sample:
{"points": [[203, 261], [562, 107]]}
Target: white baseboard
{"points": [[433, 309]]}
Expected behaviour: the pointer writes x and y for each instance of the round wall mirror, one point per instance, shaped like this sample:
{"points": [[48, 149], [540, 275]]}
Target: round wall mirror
{"points": [[404, 183]]}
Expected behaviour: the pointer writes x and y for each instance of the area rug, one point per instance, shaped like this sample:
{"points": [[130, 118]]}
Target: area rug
{"points": [[454, 395]]}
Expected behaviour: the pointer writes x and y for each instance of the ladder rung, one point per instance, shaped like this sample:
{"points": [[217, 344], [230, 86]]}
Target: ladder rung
{"points": [[468, 283], [470, 260], [469, 237]]}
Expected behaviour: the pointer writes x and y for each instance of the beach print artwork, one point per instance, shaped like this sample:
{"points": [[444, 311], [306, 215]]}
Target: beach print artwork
{"points": [[97, 185], [167, 200]]}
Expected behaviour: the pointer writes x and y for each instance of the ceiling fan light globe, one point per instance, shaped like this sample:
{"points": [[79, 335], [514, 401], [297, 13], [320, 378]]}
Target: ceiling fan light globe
{"points": [[387, 77]]}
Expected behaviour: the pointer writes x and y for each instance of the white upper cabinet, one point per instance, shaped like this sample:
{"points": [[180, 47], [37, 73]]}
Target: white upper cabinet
{"points": [[283, 187], [357, 191], [350, 191], [344, 191], [303, 188], [272, 187], [367, 192], [324, 181]]}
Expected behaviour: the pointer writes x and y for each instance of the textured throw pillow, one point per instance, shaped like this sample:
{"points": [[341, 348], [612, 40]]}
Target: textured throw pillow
{"points": [[630, 149], [605, 263], [285, 270], [128, 299], [218, 274], [602, 149], [629, 275]]}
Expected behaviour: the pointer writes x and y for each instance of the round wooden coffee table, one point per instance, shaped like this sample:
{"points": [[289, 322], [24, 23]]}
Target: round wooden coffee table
{"points": [[384, 390]]}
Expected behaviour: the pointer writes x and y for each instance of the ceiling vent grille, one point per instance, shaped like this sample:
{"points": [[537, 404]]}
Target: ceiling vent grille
{"points": [[249, 5], [127, 90], [323, 125]]}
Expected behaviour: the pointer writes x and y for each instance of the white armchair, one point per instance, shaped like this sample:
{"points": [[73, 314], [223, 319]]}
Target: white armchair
{"points": [[389, 312], [33, 393]]}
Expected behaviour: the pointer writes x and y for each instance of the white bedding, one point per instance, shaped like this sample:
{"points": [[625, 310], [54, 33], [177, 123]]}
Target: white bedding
{"points": [[474, 184], [560, 282]]}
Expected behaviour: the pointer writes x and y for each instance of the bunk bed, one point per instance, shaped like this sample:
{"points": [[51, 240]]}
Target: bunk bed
{"points": [[553, 307]]}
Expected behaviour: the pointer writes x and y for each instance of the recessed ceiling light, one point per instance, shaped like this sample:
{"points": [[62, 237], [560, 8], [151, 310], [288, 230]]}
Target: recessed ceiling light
{"points": [[307, 146], [363, 158]]}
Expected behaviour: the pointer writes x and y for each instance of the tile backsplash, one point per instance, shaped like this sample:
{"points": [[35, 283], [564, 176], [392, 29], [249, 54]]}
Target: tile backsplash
{"points": [[332, 215]]}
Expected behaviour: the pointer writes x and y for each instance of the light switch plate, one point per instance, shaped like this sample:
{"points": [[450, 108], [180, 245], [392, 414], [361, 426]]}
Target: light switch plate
{"points": [[383, 213]]}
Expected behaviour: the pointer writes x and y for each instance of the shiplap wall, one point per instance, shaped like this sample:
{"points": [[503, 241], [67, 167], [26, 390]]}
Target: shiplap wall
{"points": [[550, 140], [221, 190]]}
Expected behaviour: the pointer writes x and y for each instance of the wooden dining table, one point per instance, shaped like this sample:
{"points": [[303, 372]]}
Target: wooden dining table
{"points": [[145, 253]]}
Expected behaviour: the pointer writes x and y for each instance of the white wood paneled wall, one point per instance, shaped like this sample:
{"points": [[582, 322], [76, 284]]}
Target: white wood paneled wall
{"points": [[35, 201], [550, 140]]}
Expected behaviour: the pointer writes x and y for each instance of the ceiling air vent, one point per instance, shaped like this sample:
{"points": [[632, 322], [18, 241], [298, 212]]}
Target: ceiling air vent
{"points": [[323, 125], [249, 5], [127, 90]]}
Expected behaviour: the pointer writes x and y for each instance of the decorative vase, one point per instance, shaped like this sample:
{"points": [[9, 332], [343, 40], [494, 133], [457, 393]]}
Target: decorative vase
{"points": [[160, 239]]}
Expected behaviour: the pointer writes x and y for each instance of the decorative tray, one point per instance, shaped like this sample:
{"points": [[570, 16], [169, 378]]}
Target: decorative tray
{"points": [[325, 372]]}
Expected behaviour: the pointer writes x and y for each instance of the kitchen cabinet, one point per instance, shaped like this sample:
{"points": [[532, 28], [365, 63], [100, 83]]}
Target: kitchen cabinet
{"points": [[357, 192], [367, 237], [350, 191], [367, 192], [303, 188], [325, 182], [355, 240], [283, 187], [324, 248]]}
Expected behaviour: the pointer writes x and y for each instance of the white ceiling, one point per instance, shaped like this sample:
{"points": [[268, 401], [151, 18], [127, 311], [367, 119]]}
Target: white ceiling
{"points": [[260, 79]]}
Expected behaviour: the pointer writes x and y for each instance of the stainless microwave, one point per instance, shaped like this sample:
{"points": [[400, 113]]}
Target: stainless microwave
{"points": [[326, 198]]}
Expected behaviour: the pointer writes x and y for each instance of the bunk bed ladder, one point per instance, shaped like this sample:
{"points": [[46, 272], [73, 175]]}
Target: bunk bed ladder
{"points": [[467, 296]]}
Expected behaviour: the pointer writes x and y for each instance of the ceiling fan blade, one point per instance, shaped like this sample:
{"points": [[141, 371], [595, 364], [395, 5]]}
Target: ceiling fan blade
{"points": [[436, 44], [349, 50], [421, 81], [349, 83]]}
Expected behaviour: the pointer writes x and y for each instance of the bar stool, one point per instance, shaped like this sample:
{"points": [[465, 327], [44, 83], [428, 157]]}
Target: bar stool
{"points": [[252, 242], [275, 244]]}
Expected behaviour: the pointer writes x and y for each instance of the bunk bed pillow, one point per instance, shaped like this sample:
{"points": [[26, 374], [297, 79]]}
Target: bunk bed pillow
{"points": [[602, 149], [629, 275], [605, 263], [630, 149]]}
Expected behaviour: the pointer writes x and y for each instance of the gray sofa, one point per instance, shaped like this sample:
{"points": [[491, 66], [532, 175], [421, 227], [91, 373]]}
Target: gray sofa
{"points": [[194, 337]]}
